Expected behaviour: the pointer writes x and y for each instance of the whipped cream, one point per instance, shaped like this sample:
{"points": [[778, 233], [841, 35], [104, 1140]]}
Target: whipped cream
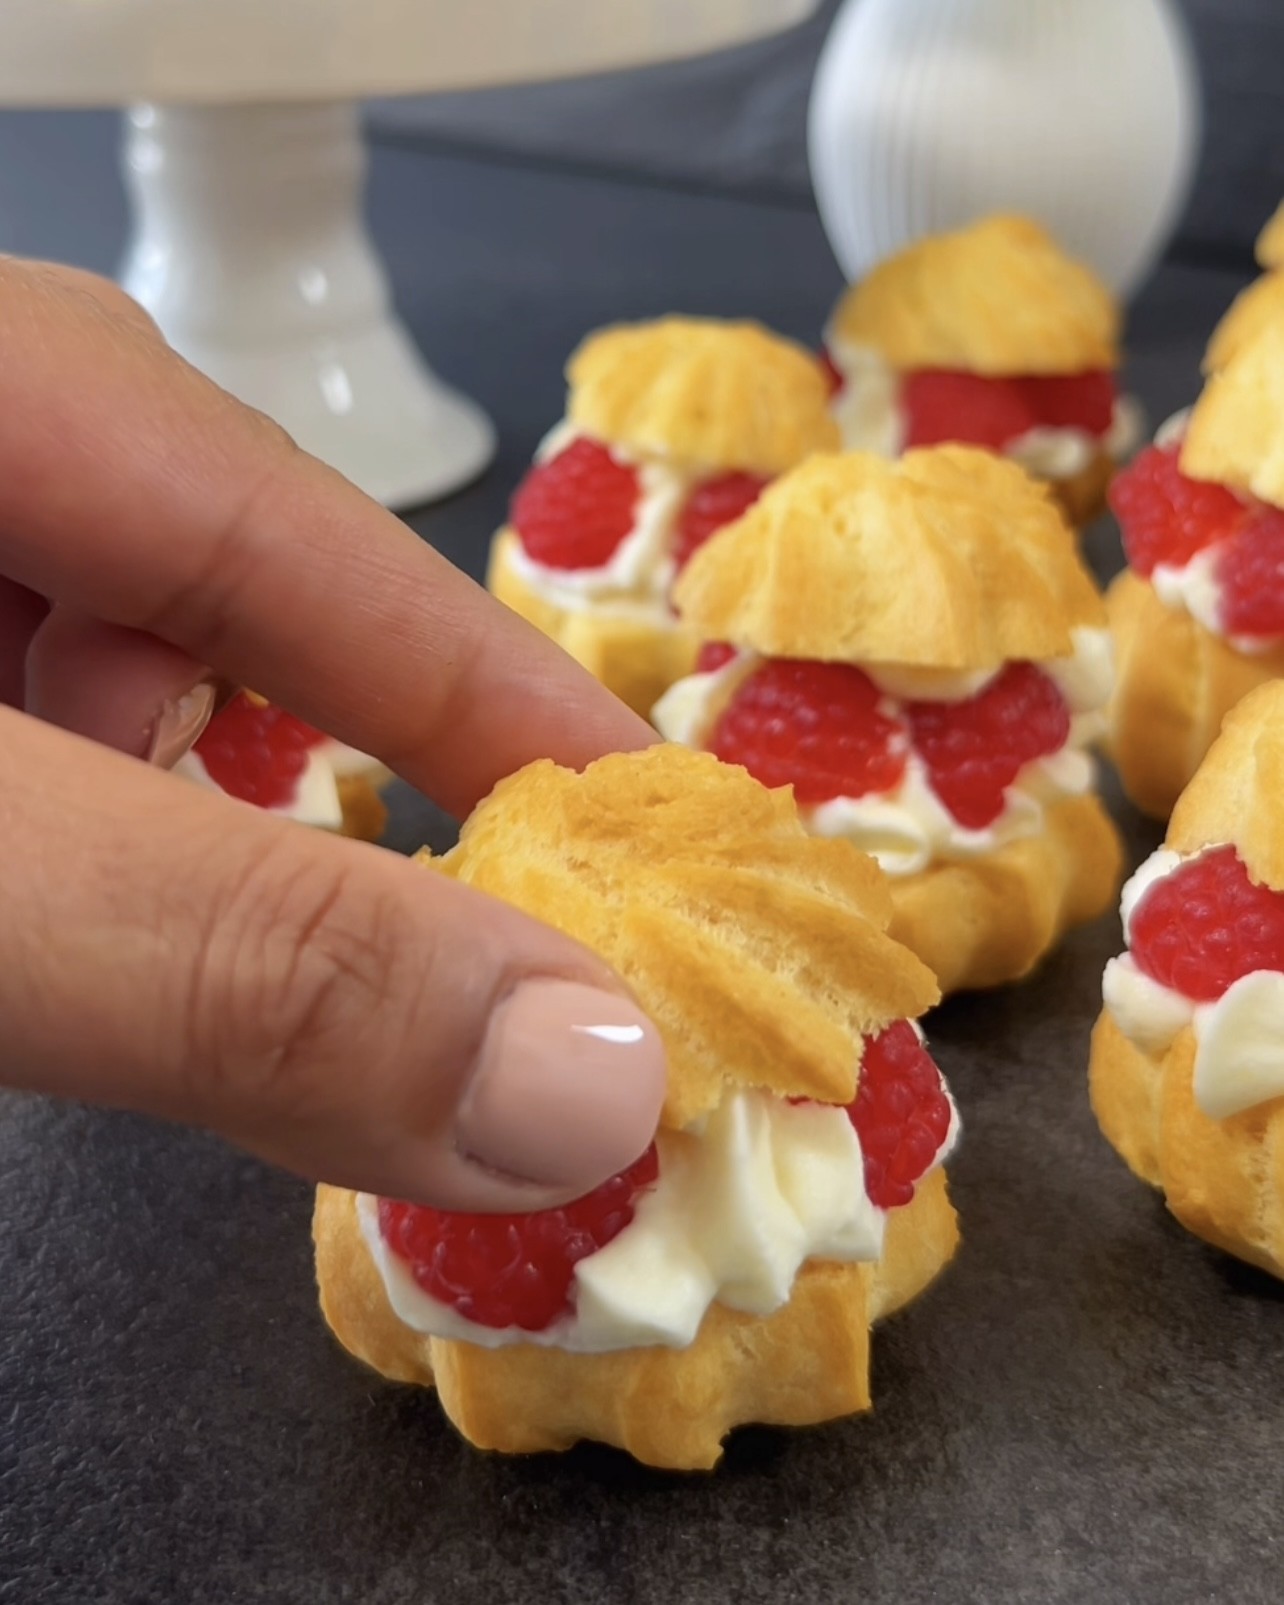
{"points": [[315, 800], [637, 577], [1239, 1038], [348, 762], [1195, 589], [741, 1203], [871, 418], [909, 828]]}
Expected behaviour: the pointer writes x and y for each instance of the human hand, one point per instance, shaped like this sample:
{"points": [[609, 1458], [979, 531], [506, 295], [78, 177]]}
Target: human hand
{"points": [[325, 1004]]}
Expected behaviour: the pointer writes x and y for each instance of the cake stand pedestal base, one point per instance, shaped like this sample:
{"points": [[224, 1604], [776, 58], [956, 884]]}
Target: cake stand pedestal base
{"points": [[250, 252]]}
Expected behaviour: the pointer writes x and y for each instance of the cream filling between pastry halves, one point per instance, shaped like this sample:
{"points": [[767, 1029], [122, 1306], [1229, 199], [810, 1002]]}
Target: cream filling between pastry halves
{"points": [[316, 796], [870, 417], [635, 582], [1239, 1039], [739, 1206], [909, 828]]}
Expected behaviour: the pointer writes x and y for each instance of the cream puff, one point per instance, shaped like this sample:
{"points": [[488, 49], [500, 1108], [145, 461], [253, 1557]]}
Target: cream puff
{"points": [[671, 429], [1198, 615], [917, 649], [990, 336], [1187, 1070], [262, 755], [794, 1193]]}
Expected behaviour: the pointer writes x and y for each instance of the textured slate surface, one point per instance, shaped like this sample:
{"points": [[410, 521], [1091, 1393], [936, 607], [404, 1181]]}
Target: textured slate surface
{"points": [[737, 120], [1085, 1409]]}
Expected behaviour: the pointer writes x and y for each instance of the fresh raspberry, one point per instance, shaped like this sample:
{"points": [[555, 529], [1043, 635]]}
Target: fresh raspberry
{"points": [[1202, 928], [1071, 401], [713, 503], [942, 406], [512, 1270], [1166, 517], [713, 654], [975, 749], [815, 726], [574, 510], [256, 752], [1250, 570], [834, 376], [901, 1113]]}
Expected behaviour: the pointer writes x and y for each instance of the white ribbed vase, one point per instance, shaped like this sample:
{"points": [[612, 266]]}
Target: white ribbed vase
{"points": [[1083, 113]]}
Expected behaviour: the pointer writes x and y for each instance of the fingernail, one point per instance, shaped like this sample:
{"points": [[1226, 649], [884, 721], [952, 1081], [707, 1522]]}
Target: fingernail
{"points": [[180, 722], [567, 1089]]}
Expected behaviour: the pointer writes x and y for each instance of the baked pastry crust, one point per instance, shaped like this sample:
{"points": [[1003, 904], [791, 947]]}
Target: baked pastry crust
{"points": [[1222, 1179], [759, 951], [704, 392], [1269, 249], [1236, 795], [806, 1363], [364, 813], [1236, 430], [1174, 684], [624, 645], [998, 298], [1083, 495], [986, 921], [1259, 307], [960, 560]]}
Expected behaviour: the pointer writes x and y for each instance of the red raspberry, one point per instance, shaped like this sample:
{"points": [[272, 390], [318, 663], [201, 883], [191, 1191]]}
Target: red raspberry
{"points": [[711, 504], [834, 375], [1071, 401], [574, 510], [256, 752], [975, 749], [1202, 928], [1164, 516], [713, 654], [512, 1270], [901, 1113], [945, 406], [1250, 569], [815, 726]]}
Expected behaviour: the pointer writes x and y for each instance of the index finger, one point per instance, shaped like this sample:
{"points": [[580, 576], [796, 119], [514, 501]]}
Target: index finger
{"points": [[134, 489]]}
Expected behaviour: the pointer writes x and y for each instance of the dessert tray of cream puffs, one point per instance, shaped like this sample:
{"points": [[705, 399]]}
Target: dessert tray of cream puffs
{"points": [[955, 884]]}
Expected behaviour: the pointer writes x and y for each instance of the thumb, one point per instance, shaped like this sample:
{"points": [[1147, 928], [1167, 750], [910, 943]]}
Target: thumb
{"points": [[325, 1004]]}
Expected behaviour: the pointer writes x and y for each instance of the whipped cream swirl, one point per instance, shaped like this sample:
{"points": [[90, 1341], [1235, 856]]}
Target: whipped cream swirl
{"points": [[1239, 1038]]}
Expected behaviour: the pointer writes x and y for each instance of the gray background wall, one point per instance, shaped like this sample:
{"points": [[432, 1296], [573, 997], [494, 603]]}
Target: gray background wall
{"points": [[736, 122]]}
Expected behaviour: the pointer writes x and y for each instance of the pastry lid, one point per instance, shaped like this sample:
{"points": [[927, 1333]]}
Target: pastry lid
{"points": [[1235, 794], [1252, 311], [709, 393], [1270, 242], [949, 558], [759, 950], [999, 297], [1236, 430]]}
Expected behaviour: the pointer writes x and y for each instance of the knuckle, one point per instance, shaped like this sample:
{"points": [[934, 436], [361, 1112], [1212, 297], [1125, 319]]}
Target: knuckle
{"points": [[300, 962]]}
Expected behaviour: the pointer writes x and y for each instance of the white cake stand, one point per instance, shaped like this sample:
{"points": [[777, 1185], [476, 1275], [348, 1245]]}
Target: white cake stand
{"points": [[244, 161]]}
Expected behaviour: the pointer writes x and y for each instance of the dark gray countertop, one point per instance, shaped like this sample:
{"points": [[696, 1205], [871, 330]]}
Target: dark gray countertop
{"points": [[1085, 1409]]}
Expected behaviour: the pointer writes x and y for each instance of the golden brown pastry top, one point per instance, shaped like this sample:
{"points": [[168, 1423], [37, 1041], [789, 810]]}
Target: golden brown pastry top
{"points": [[1236, 430], [1270, 242], [705, 392], [1253, 310], [999, 297], [759, 950], [1235, 795], [949, 558]]}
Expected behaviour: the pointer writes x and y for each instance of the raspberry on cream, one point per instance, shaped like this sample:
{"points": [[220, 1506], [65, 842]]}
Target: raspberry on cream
{"points": [[738, 1203], [1205, 952], [908, 826]]}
